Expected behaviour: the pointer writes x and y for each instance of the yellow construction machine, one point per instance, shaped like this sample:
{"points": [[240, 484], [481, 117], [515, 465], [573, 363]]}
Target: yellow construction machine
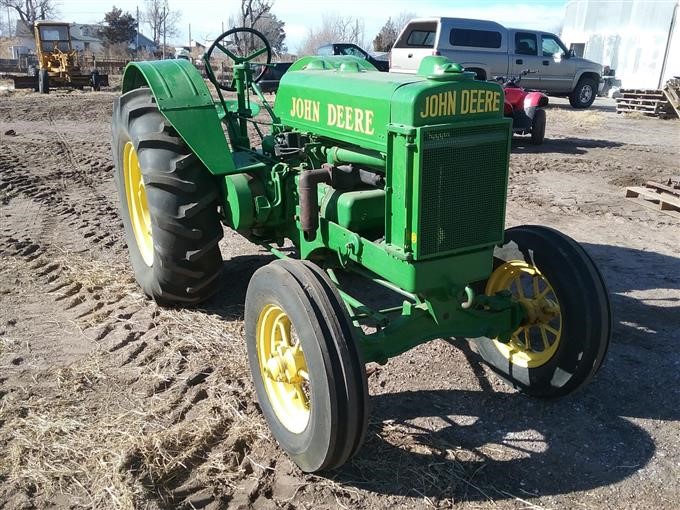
{"points": [[59, 64]]}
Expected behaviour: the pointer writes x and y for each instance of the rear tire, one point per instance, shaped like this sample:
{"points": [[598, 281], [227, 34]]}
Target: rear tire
{"points": [[173, 242], [95, 81], [584, 94], [554, 365], [329, 427], [43, 82], [538, 127]]}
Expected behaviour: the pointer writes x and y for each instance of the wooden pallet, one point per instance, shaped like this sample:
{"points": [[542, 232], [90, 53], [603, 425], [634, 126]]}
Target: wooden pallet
{"points": [[671, 186], [671, 91], [660, 197], [646, 101]]}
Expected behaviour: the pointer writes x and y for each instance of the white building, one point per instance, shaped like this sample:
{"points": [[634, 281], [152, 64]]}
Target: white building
{"points": [[640, 39]]}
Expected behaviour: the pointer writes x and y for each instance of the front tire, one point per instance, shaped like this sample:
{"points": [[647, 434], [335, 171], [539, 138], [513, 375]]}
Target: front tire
{"points": [[584, 94], [168, 203], [563, 341], [308, 374]]}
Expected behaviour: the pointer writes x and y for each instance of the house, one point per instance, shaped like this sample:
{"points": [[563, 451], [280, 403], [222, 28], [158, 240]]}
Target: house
{"points": [[639, 39], [142, 43], [195, 50]]}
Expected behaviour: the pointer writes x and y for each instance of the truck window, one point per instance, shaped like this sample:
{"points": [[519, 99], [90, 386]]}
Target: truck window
{"points": [[353, 52], [475, 38], [551, 46], [525, 44], [325, 50], [421, 38]]}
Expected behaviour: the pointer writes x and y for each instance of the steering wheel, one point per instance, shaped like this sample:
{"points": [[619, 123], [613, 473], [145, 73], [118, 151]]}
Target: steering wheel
{"points": [[229, 44]]}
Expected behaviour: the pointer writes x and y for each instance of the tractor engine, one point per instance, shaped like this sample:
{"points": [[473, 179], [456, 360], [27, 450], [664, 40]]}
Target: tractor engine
{"points": [[417, 161]]}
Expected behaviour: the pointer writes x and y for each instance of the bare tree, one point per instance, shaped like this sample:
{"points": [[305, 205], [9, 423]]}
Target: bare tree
{"points": [[334, 28], [31, 10], [253, 10], [257, 14], [5, 26], [161, 19], [402, 19]]}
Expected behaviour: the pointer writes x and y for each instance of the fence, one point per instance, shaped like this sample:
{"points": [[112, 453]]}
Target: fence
{"points": [[105, 65], [17, 65]]}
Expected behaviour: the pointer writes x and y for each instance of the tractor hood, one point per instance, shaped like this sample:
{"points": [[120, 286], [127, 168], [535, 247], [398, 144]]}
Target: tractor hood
{"points": [[347, 99]]}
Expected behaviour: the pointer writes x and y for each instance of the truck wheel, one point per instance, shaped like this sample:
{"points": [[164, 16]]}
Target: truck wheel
{"points": [[168, 203], [584, 93], [538, 127], [43, 82], [308, 375], [563, 340]]}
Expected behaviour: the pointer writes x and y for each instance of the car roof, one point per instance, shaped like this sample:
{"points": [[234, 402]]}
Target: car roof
{"points": [[469, 21]]}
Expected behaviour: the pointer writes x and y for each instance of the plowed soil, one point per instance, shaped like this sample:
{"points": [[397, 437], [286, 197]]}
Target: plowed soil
{"points": [[109, 401]]}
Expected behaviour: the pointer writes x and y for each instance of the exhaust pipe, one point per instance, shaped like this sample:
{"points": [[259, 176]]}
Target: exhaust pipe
{"points": [[309, 199]]}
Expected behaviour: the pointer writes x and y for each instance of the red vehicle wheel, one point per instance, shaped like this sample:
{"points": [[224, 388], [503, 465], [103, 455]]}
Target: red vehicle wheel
{"points": [[538, 127]]}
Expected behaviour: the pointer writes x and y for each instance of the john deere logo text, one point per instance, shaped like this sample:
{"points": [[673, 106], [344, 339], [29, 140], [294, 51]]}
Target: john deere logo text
{"points": [[337, 115], [461, 102]]}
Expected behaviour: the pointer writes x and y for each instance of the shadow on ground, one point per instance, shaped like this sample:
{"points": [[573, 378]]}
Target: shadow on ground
{"points": [[568, 145], [236, 273], [600, 105], [478, 445]]}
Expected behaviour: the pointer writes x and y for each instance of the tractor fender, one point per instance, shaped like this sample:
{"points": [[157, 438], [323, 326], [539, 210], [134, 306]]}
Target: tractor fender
{"points": [[184, 99], [535, 99]]}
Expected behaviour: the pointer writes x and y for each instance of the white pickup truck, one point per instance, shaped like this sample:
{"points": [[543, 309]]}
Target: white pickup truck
{"points": [[489, 49]]}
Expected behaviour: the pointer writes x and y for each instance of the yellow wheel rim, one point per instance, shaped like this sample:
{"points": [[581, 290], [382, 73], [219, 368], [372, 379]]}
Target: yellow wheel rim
{"points": [[283, 368], [537, 340], [138, 207]]}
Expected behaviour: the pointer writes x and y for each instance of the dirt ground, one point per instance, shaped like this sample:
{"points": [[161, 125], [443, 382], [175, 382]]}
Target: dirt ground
{"points": [[108, 401]]}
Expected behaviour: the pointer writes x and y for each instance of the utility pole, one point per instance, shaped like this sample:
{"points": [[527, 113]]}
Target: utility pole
{"points": [[137, 40], [189, 36], [164, 16], [220, 32], [9, 24]]}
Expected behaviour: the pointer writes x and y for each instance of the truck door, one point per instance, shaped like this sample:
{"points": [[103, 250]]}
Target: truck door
{"points": [[524, 55], [557, 70], [415, 42]]}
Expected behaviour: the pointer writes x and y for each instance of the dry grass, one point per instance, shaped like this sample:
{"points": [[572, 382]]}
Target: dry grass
{"points": [[101, 447], [100, 435]]}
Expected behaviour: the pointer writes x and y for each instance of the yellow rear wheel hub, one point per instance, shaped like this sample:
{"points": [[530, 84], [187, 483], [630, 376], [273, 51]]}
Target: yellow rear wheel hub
{"points": [[138, 206], [283, 368], [537, 340]]}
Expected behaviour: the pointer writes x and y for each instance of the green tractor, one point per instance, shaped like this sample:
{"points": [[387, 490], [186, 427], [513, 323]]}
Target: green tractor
{"points": [[397, 179]]}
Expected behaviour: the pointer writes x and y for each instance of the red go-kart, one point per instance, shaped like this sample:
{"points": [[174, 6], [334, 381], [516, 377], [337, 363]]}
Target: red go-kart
{"points": [[524, 107]]}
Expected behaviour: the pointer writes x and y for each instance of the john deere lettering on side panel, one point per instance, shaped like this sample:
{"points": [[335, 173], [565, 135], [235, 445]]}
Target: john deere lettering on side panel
{"points": [[399, 179]]}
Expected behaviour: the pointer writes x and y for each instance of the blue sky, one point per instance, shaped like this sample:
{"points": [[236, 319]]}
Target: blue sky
{"points": [[206, 16]]}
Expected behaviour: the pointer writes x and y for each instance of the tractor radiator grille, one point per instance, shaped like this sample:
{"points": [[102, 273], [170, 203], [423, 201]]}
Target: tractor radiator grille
{"points": [[463, 183]]}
